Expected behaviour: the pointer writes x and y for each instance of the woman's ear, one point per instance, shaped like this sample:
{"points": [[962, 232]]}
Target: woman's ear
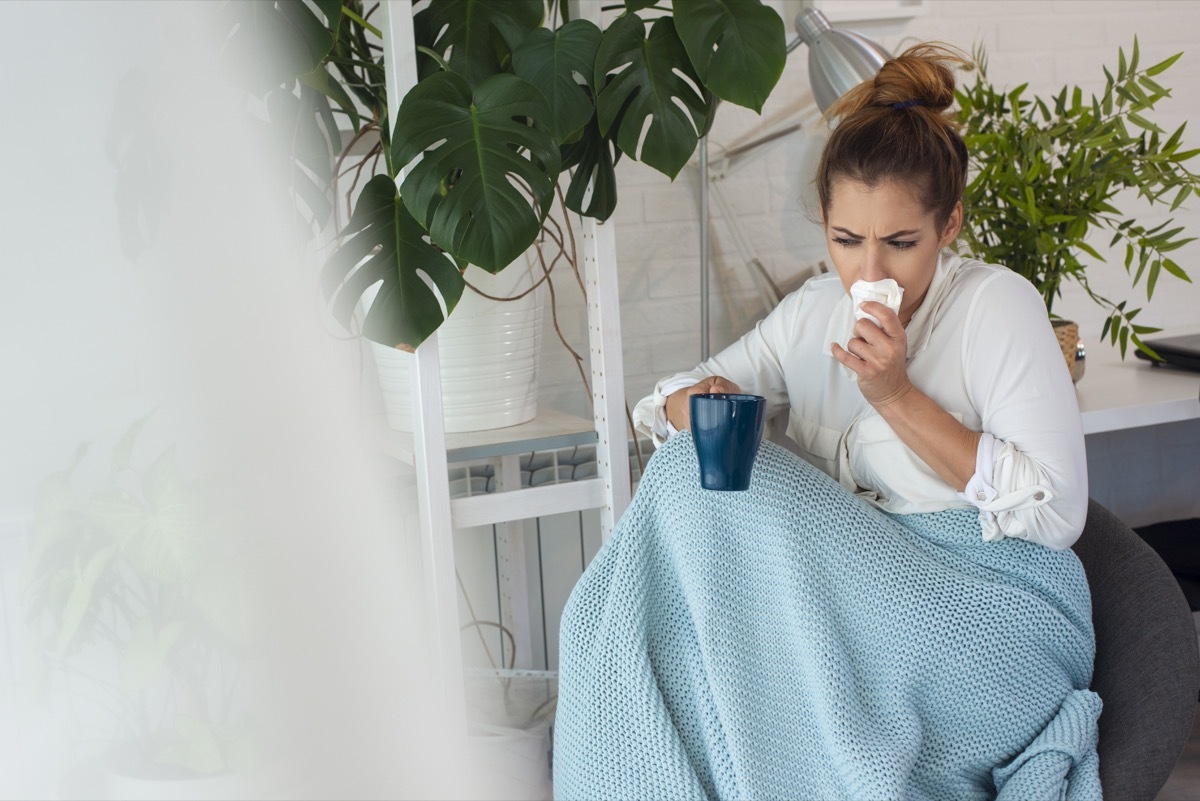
{"points": [[953, 225]]}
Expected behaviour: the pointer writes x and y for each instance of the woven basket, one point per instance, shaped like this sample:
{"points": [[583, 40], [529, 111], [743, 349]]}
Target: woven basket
{"points": [[1068, 339]]}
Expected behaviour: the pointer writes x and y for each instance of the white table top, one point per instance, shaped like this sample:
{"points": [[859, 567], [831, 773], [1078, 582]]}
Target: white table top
{"points": [[1116, 395]]}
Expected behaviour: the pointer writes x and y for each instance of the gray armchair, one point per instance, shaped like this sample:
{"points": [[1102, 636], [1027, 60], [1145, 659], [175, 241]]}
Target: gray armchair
{"points": [[1147, 668]]}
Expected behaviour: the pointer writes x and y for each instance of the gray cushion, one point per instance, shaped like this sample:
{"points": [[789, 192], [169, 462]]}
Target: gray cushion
{"points": [[1147, 668]]}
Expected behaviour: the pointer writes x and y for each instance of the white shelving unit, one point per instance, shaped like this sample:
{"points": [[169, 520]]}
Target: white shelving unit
{"points": [[430, 450]]}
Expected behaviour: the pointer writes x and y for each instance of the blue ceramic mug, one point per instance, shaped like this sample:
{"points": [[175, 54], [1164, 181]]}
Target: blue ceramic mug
{"points": [[726, 429]]}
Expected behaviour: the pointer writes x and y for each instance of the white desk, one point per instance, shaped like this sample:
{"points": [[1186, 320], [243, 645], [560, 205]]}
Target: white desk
{"points": [[1116, 395], [1143, 436]]}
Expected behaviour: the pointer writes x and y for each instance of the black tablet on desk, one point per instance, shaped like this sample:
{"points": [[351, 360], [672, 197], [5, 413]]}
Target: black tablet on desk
{"points": [[1176, 351]]}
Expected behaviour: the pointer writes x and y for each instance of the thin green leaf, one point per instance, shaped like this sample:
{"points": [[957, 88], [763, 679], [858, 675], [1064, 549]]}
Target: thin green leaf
{"points": [[1164, 65], [1142, 122], [1152, 279], [1175, 270]]}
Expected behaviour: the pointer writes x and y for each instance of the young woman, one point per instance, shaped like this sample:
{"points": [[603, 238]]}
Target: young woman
{"points": [[959, 397], [897, 615]]}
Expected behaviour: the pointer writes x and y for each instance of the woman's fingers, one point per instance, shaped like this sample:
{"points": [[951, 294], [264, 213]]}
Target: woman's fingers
{"points": [[678, 406], [877, 354], [715, 384]]}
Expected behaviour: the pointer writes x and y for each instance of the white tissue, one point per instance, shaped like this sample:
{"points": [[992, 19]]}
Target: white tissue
{"points": [[887, 292]]}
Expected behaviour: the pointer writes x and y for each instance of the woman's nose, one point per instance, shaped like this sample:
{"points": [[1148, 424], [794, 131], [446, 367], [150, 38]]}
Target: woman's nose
{"points": [[872, 266]]}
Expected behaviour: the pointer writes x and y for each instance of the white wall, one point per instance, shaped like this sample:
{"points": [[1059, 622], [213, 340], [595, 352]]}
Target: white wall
{"points": [[1044, 42]]}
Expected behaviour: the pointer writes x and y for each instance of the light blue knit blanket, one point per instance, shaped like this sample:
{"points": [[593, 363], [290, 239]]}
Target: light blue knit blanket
{"points": [[794, 642]]}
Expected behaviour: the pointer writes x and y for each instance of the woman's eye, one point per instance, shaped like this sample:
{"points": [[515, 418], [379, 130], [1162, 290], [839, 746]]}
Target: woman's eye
{"points": [[902, 244], [845, 242]]}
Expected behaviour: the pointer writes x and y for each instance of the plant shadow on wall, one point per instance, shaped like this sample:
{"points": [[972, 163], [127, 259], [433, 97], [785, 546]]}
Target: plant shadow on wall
{"points": [[1050, 173], [137, 617], [511, 96]]}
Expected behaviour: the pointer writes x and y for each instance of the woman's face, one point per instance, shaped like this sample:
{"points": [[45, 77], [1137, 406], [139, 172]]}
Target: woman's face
{"points": [[884, 232]]}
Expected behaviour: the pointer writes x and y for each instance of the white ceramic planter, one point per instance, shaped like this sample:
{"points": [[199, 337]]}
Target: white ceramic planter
{"points": [[489, 356]]}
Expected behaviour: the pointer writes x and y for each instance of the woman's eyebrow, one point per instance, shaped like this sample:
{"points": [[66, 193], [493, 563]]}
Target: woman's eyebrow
{"points": [[852, 235]]}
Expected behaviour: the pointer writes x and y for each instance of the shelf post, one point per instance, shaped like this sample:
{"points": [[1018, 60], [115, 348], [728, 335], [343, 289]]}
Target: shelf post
{"points": [[599, 254], [598, 250], [429, 434]]}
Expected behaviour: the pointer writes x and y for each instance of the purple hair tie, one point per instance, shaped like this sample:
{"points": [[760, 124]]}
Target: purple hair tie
{"points": [[908, 103]]}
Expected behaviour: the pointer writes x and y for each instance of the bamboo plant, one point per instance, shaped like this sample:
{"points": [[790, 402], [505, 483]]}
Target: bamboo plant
{"points": [[1051, 174]]}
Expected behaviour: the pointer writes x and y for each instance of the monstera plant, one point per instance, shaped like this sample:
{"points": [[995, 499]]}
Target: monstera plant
{"points": [[511, 95]]}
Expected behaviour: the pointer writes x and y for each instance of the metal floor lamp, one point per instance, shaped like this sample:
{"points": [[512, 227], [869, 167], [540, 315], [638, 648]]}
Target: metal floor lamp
{"points": [[838, 60]]}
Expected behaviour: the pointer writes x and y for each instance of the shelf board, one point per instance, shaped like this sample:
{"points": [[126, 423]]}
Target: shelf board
{"points": [[550, 430], [528, 502]]}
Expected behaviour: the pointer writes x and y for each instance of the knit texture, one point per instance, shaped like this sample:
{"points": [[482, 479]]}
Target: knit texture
{"points": [[794, 642]]}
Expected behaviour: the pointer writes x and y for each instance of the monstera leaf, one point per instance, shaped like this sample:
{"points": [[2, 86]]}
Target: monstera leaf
{"points": [[273, 48], [270, 43], [647, 86], [487, 177], [738, 47], [560, 64], [593, 188], [474, 37], [387, 245], [309, 167]]}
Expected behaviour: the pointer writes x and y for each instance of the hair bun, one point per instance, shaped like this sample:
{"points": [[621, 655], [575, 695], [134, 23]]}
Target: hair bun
{"points": [[919, 73], [920, 77]]}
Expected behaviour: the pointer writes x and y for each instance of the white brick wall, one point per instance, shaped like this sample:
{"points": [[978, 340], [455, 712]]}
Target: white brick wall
{"points": [[1045, 42]]}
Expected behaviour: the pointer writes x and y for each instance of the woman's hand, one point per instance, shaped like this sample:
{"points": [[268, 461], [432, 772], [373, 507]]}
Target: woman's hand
{"points": [[679, 408], [877, 355]]}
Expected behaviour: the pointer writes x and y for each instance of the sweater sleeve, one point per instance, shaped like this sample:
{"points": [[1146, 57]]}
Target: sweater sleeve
{"points": [[753, 362], [1030, 480]]}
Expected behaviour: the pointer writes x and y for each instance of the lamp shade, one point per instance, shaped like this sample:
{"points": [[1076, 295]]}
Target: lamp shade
{"points": [[837, 60]]}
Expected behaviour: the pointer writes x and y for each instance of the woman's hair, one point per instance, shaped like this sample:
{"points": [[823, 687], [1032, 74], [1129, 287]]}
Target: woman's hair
{"points": [[897, 127]]}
